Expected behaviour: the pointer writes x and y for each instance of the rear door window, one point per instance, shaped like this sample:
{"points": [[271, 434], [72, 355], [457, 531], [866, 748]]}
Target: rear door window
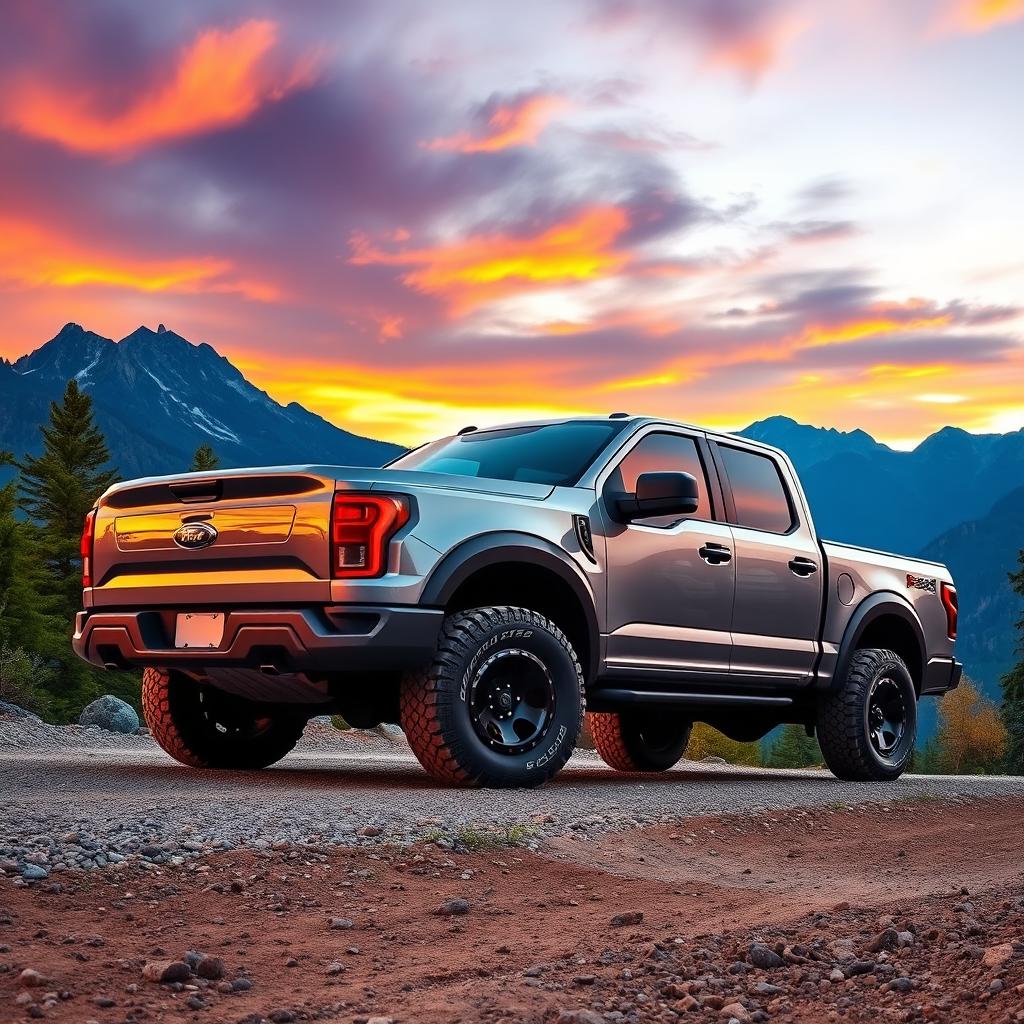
{"points": [[761, 499]]}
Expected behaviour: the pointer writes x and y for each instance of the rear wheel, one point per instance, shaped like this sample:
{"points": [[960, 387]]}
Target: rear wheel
{"points": [[204, 727], [639, 741], [867, 729], [501, 705]]}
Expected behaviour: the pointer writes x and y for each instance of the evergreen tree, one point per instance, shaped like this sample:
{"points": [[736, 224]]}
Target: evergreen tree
{"points": [[23, 627], [1013, 692], [205, 460], [60, 486], [794, 749], [8, 539], [57, 489]]}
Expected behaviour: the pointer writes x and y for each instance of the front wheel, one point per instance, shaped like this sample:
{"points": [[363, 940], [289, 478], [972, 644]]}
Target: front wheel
{"points": [[640, 741], [866, 730], [204, 727], [501, 705]]}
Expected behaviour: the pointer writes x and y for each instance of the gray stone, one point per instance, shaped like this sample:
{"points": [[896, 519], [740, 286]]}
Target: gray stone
{"points": [[34, 873], [452, 908], [110, 713], [625, 920], [15, 712], [767, 959]]}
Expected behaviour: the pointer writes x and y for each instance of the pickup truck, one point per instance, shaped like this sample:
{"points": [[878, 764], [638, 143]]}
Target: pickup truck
{"points": [[489, 589]]}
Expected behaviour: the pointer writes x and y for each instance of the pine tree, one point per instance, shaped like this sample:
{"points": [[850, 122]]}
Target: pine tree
{"points": [[1013, 692], [24, 672], [60, 486], [57, 489], [205, 460], [8, 539], [794, 749]]}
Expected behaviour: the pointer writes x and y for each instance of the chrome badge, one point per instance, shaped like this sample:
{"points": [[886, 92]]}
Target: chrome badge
{"points": [[194, 536]]}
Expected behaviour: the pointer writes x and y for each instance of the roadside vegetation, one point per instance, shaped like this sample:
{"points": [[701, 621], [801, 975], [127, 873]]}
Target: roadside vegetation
{"points": [[41, 514]]}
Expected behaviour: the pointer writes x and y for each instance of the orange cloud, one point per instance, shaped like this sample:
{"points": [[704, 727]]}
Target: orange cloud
{"points": [[478, 269], [868, 327], [32, 256], [977, 16], [518, 123], [220, 79], [754, 52]]}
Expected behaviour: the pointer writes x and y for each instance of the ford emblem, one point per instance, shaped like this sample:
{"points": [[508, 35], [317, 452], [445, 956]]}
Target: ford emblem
{"points": [[194, 536]]}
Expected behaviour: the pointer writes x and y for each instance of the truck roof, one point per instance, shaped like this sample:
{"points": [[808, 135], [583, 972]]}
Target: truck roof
{"points": [[633, 420]]}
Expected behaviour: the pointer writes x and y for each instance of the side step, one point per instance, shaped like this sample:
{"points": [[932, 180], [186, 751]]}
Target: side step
{"points": [[613, 699]]}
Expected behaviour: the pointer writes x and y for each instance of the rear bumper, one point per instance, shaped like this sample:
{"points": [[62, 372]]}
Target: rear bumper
{"points": [[941, 675], [335, 638]]}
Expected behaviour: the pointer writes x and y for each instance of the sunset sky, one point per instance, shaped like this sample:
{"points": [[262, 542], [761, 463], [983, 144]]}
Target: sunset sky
{"points": [[411, 216]]}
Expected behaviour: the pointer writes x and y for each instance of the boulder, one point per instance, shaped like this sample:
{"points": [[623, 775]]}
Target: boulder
{"points": [[15, 712], [110, 713]]}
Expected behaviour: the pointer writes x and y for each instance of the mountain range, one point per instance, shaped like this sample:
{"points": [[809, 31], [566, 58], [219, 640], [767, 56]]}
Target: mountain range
{"points": [[158, 397], [957, 497]]}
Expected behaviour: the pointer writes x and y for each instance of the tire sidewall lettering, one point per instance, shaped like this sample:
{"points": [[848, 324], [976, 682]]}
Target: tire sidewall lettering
{"points": [[550, 752], [485, 648]]}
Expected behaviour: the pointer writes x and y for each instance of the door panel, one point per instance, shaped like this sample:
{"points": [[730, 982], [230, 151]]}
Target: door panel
{"points": [[668, 608], [670, 580], [777, 613]]}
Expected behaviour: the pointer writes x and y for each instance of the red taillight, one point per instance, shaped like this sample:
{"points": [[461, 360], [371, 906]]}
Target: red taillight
{"points": [[362, 526], [949, 602], [85, 548]]}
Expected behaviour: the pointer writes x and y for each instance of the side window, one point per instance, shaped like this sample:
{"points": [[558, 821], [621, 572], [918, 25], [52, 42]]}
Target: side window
{"points": [[757, 490], [662, 453]]}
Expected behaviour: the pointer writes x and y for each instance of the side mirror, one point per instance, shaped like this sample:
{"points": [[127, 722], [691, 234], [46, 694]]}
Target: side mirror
{"points": [[661, 494]]}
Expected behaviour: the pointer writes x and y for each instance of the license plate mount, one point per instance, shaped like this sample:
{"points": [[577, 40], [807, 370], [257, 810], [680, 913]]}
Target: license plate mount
{"points": [[199, 630]]}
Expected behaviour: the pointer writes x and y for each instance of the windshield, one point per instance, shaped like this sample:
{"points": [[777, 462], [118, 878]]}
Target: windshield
{"points": [[556, 453]]}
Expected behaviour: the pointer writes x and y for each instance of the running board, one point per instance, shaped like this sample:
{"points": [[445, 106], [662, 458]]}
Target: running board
{"points": [[614, 698]]}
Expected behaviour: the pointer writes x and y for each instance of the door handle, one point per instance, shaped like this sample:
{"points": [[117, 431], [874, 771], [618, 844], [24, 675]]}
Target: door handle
{"points": [[802, 567], [715, 554]]}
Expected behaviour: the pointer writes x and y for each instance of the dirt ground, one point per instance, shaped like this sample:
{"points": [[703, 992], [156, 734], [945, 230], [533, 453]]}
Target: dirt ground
{"points": [[908, 911]]}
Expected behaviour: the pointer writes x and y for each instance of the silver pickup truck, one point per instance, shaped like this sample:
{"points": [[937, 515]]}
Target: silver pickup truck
{"points": [[488, 589]]}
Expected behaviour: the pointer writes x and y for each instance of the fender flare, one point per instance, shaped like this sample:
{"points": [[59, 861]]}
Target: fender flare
{"points": [[488, 549], [874, 607]]}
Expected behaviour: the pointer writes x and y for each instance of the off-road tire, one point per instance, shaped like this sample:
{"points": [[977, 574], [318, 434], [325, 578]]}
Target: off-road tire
{"points": [[437, 701], [183, 716], [843, 731], [632, 741]]}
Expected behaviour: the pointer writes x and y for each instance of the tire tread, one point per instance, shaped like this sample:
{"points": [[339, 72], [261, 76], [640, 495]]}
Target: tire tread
{"points": [[428, 693], [840, 733]]}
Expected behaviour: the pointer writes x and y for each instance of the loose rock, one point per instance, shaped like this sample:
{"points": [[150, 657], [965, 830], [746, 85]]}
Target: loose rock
{"points": [[633, 917], [165, 972], [452, 908]]}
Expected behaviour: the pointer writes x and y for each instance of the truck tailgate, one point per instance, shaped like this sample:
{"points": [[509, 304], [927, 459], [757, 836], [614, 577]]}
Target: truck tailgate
{"points": [[238, 538]]}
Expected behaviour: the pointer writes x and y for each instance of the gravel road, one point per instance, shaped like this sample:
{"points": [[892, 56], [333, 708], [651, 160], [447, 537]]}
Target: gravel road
{"points": [[86, 799]]}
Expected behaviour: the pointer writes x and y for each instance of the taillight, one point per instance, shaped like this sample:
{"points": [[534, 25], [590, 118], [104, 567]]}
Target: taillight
{"points": [[85, 548], [362, 526], [949, 602]]}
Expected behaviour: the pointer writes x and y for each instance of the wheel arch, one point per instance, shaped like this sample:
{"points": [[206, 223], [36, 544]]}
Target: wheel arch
{"points": [[519, 568], [884, 620]]}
